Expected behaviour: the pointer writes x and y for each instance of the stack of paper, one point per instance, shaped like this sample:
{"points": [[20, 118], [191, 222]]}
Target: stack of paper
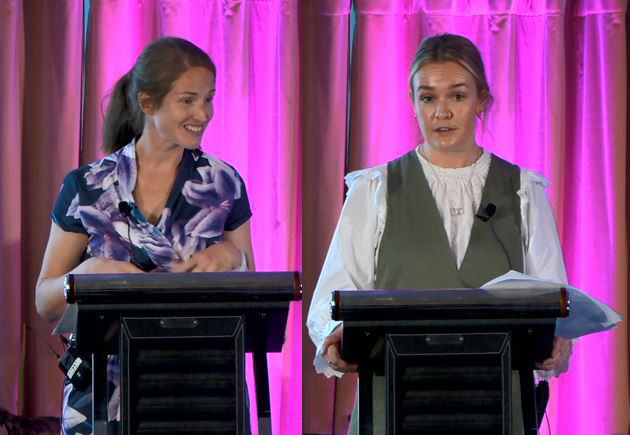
{"points": [[587, 315]]}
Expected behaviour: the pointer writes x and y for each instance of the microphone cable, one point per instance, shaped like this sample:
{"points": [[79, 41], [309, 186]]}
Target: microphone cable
{"points": [[485, 215], [126, 210]]}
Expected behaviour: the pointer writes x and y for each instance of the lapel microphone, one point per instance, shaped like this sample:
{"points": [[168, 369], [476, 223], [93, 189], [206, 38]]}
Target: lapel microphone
{"points": [[125, 209], [487, 212], [485, 216]]}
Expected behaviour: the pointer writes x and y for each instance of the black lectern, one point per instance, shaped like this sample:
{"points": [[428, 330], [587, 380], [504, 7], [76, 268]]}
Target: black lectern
{"points": [[181, 339], [448, 355]]}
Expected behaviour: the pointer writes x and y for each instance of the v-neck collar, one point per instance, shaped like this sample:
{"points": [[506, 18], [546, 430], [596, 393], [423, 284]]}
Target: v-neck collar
{"points": [[127, 175]]}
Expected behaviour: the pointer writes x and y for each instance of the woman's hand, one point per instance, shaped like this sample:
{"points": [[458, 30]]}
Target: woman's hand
{"points": [[106, 265], [330, 352], [220, 257], [63, 255], [560, 354]]}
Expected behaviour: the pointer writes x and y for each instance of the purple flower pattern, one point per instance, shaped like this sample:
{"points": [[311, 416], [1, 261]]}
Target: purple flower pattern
{"points": [[209, 192], [208, 197]]}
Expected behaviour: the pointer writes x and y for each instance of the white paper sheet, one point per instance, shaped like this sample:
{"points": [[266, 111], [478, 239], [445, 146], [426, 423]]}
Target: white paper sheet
{"points": [[587, 315]]}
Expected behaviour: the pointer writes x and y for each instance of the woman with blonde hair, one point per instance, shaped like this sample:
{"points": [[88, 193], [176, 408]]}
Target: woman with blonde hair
{"points": [[421, 221]]}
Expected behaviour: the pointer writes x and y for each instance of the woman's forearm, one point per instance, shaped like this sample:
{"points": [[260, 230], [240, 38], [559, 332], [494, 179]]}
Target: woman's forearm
{"points": [[49, 299]]}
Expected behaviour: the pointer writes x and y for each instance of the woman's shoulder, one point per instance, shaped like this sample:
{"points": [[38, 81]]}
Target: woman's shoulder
{"points": [[98, 174], [202, 158], [374, 176], [103, 173], [367, 189], [211, 174], [82, 186], [528, 177], [533, 178]]}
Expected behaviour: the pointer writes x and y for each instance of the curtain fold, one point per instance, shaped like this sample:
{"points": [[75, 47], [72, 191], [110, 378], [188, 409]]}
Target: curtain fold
{"points": [[324, 54], [53, 35], [558, 72], [11, 103], [595, 238], [386, 40]]}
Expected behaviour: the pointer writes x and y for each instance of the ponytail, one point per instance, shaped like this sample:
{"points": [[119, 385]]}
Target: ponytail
{"points": [[158, 66], [120, 121]]}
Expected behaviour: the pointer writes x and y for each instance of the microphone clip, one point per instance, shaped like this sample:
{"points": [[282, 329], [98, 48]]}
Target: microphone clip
{"points": [[485, 213], [126, 210]]}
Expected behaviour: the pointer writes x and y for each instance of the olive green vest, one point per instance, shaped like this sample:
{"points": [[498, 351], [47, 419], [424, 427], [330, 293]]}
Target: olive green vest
{"points": [[414, 250]]}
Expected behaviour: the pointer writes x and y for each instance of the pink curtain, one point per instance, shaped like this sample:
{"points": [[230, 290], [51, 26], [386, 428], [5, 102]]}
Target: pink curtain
{"points": [[254, 44], [39, 125], [324, 56], [558, 71], [11, 96]]}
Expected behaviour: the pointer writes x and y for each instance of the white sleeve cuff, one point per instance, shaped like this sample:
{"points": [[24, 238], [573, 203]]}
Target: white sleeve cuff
{"points": [[243, 266], [321, 366]]}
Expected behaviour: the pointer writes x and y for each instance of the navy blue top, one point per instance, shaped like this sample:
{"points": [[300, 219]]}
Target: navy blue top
{"points": [[207, 198]]}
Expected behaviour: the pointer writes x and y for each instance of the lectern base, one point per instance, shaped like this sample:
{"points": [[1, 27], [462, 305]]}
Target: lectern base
{"points": [[446, 383], [378, 407]]}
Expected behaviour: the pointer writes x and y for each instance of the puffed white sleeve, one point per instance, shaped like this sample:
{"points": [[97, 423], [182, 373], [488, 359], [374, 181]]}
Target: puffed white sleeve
{"points": [[350, 262], [542, 252], [543, 257]]}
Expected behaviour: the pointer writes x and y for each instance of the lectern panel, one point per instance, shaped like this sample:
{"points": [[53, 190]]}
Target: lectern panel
{"points": [[448, 383], [183, 375]]}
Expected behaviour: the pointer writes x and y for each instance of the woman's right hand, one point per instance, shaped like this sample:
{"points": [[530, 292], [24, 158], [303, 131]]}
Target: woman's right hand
{"points": [[106, 265], [330, 352]]}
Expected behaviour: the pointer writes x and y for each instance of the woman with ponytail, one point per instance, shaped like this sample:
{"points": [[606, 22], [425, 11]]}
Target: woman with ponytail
{"points": [[155, 203]]}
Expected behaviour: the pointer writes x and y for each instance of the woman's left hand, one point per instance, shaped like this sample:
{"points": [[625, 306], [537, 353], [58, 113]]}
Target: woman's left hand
{"points": [[220, 257], [560, 354]]}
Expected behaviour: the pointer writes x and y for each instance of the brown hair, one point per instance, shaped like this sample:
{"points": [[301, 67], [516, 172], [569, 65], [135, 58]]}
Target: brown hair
{"points": [[453, 48], [157, 67]]}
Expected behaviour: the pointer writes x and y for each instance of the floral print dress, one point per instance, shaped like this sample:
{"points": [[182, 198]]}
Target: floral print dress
{"points": [[207, 198]]}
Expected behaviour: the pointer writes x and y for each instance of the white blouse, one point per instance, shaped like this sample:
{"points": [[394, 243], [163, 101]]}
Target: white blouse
{"points": [[351, 260]]}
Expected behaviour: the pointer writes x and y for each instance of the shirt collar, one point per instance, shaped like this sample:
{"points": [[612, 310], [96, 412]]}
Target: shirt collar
{"points": [[127, 169]]}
